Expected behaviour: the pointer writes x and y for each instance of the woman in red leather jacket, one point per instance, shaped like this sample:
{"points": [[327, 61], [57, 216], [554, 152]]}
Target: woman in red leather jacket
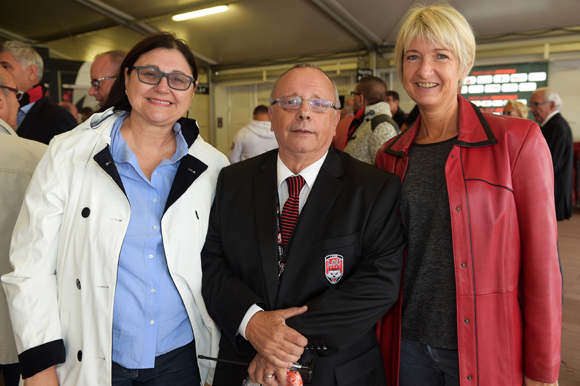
{"points": [[480, 299]]}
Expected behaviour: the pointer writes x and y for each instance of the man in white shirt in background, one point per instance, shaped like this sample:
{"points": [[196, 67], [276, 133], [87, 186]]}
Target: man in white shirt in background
{"points": [[255, 138]]}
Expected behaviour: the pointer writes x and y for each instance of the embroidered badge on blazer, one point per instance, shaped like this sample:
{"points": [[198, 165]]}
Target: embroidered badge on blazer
{"points": [[333, 268]]}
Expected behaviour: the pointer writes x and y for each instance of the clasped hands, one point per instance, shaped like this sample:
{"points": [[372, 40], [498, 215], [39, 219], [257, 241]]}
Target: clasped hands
{"points": [[278, 345]]}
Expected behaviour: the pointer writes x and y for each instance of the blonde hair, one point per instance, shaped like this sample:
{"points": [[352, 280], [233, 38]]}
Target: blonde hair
{"points": [[442, 24], [519, 107]]}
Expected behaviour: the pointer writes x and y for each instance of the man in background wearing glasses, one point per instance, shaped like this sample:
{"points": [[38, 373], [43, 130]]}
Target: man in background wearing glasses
{"points": [[38, 118], [304, 249], [18, 159], [545, 105], [104, 70]]}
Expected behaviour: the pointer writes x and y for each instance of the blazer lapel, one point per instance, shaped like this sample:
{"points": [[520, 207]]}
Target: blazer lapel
{"points": [[31, 119], [265, 193], [320, 201]]}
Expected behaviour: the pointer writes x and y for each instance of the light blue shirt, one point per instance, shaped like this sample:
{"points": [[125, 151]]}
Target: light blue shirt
{"points": [[22, 113], [149, 318]]}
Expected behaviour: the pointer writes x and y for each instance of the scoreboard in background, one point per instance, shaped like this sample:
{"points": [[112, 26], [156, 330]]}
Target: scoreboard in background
{"points": [[490, 87]]}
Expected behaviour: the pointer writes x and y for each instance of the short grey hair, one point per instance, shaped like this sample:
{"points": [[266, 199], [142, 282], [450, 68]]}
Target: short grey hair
{"points": [[550, 95], [25, 55], [306, 65]]}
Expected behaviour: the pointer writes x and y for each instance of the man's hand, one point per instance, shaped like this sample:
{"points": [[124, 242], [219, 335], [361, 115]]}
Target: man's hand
{"points": [[531, 382], [275, 342], [47, 377], [261, 371]]}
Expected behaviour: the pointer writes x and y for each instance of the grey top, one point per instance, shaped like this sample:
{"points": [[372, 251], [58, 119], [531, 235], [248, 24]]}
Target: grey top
{"points": [[429, 305]]}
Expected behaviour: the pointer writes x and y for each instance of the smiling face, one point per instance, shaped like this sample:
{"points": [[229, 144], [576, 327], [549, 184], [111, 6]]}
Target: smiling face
{"points": [[303, 135], [431, 74], [159, 105]]}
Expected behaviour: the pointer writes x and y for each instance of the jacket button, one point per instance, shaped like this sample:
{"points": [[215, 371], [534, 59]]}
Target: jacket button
{"points": [[86, 212], [458, 208], [78, 284], [80, 355], [469, 377], [463, 265], [466, 320]]}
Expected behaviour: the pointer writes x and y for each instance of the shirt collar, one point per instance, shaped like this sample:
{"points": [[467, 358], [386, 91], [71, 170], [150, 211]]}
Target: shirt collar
{"points": [[549, 117], [309, 173]]}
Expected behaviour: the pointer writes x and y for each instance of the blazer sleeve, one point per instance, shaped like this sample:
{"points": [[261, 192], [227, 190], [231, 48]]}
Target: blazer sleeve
{"points": [[533, 184], [226, 296], [342, 315], [31, 289]]}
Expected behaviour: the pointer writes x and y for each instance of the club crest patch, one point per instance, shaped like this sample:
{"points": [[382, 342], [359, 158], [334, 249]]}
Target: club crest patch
{"points": [[333, 268]]}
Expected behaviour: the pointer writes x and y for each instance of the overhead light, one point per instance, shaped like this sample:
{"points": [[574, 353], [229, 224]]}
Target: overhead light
{"points": [[201, 12]]}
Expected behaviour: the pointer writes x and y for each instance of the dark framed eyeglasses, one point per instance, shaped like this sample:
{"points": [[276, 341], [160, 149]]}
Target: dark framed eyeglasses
{"points": [[96, 83], [176, 81], [355, 93], [15, 90], [293, 102]]}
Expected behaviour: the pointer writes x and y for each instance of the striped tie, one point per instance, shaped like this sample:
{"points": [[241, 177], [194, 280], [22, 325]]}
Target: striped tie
{"points": [[291, 207]]}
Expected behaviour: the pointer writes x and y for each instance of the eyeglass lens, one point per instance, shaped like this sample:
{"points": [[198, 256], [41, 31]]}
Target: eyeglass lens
{"points": [[152, 76], [315, 104]]}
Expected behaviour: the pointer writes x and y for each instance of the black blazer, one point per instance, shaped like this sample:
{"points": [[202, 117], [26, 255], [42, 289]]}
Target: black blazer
{"points": [[45, 120], [559, 138], [351, 212]]}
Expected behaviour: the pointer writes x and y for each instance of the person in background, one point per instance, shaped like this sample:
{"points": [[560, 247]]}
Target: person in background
{"points": [[481, 300], [339, 139], [255, 138], [70, 108], [18, 159], [86, 113], [515, 109], [104, 71], [399, 115], [38, 118], [337, 248], [545, 105], [372, 125], [106, 287]]}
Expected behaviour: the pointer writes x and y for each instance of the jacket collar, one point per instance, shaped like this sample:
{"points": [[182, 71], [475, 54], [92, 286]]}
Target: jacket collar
{"points": [[474, 131]]}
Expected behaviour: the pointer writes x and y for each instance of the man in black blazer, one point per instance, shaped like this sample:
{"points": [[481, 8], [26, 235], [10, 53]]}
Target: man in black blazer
{"points": [[546, 104], [38, 118], [341, 264]]}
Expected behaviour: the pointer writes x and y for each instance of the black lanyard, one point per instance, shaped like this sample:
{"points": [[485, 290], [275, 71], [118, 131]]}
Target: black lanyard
{"points": [[281, 251]]}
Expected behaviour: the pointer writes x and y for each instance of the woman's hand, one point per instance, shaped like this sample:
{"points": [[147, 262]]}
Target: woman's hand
{"points": [[531, 382], [47, 377]]}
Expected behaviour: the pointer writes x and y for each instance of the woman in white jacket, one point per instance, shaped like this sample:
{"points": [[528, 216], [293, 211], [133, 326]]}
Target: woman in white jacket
{"points": [[106, 288]]}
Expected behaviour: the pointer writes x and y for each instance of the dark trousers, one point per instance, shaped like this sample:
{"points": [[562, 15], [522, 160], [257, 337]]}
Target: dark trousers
{"points": [[427, 366], [175, 368], [11, 374]]}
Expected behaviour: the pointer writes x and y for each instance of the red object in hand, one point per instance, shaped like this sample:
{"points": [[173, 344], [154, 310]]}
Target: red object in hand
{"points": [[294, 378]]}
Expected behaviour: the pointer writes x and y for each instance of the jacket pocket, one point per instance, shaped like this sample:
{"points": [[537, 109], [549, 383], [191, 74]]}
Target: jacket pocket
{"points": [[334, 242]]}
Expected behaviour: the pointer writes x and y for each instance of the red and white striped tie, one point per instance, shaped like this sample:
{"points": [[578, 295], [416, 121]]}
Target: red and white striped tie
{"points": [[291, 207]]}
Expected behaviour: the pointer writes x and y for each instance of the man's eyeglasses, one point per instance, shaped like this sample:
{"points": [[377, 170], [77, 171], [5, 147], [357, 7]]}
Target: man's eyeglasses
{"points": [[293, 102], [535, 105], [355, 93], [18, 92], [176, 81], [96, 83]]}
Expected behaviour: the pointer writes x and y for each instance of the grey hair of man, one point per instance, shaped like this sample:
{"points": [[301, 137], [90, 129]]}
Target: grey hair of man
{"points": [[550, 95], [306, 65], [25, 55], [116, 56]]}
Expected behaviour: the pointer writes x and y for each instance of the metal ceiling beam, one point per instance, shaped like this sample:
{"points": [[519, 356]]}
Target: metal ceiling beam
{"points": [[337, 12], [118, 16], [12, 36]]}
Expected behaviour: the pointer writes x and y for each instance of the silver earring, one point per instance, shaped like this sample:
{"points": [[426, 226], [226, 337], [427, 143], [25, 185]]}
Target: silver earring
{"points": [[125, 91]]}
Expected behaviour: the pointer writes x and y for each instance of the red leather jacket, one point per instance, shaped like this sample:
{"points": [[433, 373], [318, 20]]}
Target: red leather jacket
{"points": [[507, 272]]}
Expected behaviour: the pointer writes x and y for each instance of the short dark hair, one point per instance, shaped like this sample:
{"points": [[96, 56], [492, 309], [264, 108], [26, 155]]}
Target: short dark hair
{"points": [[393, 94], [117, 97], [373, 89], [261, 109]]}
